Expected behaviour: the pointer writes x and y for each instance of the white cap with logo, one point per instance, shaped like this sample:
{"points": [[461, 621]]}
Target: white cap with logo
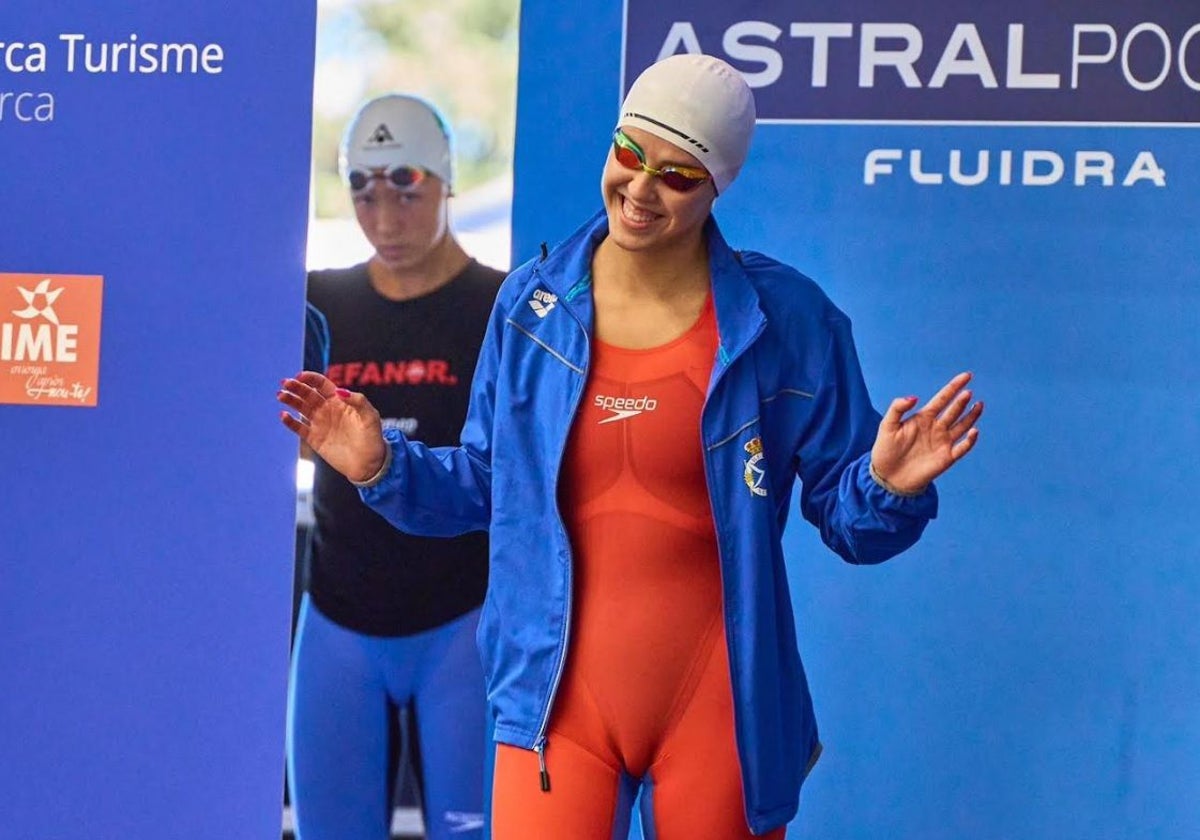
{"points": [[397, 130], [700, 104]]}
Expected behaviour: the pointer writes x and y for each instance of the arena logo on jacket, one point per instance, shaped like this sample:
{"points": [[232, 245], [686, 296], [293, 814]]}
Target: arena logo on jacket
{"points": [[50, 339], [399, 372], [1075, 63], [542, 302]]}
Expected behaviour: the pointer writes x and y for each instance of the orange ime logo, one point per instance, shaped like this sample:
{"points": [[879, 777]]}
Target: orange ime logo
{"points": [[50, 338]]}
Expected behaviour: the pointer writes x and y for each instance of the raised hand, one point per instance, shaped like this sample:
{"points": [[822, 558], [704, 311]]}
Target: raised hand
{"points": [[340, 426], [910, 452]]}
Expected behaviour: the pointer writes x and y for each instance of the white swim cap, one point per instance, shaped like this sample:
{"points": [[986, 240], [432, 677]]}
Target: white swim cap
{"points": [[698, 103], [397, 130]]}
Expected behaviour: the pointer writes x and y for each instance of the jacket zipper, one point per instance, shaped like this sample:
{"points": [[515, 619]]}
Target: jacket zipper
{"points": [[539, 744], [543, 774], [726, 362]]}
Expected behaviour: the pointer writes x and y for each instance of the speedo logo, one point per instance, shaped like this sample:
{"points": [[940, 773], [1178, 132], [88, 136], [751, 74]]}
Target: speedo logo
{"points": [[623, 408]]}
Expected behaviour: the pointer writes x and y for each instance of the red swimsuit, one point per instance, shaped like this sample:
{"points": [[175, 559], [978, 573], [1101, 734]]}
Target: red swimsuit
{"points": [[646, 691]]}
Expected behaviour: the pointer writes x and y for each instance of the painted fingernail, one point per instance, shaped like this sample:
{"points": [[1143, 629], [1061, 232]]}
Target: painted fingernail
{"points": [[343, 393]]}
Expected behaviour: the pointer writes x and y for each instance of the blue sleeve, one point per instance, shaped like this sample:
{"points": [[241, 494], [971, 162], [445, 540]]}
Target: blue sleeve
{"points": [[316, 340], [445, 491], [857, 518]]}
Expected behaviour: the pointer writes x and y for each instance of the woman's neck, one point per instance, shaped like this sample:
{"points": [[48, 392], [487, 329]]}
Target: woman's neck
{"points": [[646, 299], [441, 265], [657, 273]]}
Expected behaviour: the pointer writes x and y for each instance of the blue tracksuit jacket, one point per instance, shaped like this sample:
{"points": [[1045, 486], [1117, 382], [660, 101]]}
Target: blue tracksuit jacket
{"points": [[786, 399]]}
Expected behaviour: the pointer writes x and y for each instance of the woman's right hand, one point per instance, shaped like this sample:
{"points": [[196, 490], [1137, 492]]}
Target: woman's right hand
{"points": [[339, 425]]}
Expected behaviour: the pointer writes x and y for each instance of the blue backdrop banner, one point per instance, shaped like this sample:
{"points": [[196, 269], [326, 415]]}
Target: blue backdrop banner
{"points": [[154, 205], [1009, 190]]}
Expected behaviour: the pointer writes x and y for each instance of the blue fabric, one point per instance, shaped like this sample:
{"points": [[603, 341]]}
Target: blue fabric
{"points": [[786, 378], [316, 339], [342, 683], [627, 794], [649, 831]]}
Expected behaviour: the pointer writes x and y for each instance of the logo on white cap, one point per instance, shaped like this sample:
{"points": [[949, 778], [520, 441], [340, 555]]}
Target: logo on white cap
{"points": [[381, 136]]}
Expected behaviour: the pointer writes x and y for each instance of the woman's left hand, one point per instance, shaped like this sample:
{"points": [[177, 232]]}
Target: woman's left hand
{"points": [[910, 452]]}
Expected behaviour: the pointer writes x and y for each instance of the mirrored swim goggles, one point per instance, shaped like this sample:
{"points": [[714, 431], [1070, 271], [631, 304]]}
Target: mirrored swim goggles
{"points": [[402, 177], [679, 178]]}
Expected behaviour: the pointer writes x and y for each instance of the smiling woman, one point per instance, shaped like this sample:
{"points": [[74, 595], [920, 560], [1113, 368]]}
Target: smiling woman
{"points": [[644, 401]]}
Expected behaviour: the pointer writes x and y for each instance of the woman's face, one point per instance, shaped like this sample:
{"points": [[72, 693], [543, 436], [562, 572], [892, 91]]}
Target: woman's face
{"points": [[404, 226], [644, 214]]}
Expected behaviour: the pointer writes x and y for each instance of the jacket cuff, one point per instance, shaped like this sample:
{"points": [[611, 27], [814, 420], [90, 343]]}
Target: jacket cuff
{"points": [[891, 488], [383, 469], [884, 497]]}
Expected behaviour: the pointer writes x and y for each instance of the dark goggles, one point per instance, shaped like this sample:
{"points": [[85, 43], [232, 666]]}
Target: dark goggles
{"points": [[679, 178], [401, 177]]}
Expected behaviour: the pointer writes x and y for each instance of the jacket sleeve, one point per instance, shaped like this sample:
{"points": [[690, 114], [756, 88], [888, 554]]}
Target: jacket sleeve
{"points": [[445, 491], [857, 517]]}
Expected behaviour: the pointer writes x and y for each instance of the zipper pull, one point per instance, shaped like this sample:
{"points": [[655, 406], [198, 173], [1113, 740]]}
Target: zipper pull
{"points": [[543, 774]]}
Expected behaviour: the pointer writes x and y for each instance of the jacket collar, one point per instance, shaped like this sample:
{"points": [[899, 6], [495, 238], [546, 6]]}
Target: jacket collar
{"points": [[566, 271], [739, 317]]}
